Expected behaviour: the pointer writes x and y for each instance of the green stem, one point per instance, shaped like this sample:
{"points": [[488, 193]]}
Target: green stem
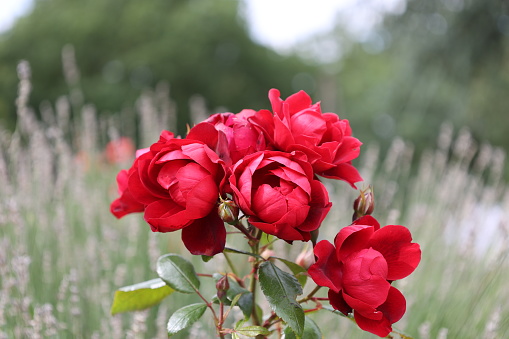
{"points": [[310, 295], [230, 263], [256, 263]]}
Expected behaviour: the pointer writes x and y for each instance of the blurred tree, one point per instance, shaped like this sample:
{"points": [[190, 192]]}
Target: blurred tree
{"points": [[440, 60], [124, 46]]}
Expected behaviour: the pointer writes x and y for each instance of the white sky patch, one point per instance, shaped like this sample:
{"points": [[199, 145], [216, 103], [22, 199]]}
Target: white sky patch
{"points": [[10, 10]]}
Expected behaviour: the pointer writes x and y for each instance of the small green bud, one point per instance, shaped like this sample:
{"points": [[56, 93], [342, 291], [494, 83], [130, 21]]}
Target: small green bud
{"points": [[364, 204], [228, 211]]}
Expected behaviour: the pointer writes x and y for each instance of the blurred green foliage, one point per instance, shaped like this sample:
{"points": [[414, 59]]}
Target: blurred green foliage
{"points": [[440, 60], [124, 46]]}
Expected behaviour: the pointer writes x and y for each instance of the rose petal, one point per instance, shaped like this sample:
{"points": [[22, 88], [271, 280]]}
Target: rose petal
{"points": [[345, 172], [352, 239], [205, 236], [367, 220], [269, 204], [166, 216], [393, 310], [364, 277], [394, 242], [327, 270], [338, 303]]}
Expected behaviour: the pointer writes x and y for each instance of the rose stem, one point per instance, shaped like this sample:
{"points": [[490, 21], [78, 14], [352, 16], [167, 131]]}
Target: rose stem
{"points": [[310, 295], [230, 263]]}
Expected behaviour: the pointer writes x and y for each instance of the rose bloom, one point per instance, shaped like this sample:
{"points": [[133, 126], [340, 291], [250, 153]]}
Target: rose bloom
{"points": [[279, 193], [296, 124], [230, 135], [177, 181], [119, 151], [359, 269]]}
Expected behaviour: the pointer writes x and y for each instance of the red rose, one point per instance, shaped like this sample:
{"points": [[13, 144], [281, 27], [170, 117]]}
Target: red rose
{"points": [[280, 194], [230, 135], [359, 268], [126, 203], [178, 182], [298, 125]]}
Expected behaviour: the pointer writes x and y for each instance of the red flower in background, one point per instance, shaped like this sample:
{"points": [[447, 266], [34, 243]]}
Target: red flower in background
{"points": [[296, 124], [359, 269], [279, 193], [178, 182], [119, 151]]}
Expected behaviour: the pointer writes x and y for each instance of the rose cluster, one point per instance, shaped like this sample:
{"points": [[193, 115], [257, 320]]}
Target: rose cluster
{"points": [[266, 161], [266, 164]]}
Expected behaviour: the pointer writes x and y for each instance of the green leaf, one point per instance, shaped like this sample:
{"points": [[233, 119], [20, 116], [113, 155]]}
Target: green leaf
{"points": [[253, 331], [311, 331], [298, 271], [206, 258], [232, 250], [178, 273], [185, 317], [140, 296], [281, 290], [235, 300]]}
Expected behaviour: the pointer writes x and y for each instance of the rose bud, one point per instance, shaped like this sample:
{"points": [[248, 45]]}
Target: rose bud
{"points": [[228, 211], [267, 254], [306, 258], [222, 286], [364, 204]]}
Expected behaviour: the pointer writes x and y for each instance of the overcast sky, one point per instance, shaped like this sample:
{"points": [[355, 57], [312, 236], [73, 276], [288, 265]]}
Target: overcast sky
{"points": [[276, 23]]}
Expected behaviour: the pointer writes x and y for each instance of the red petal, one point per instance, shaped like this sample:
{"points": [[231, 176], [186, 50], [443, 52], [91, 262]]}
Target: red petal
{"points": [[206, 236], [338, 303], [345, 172], [202, 198], [283, 137], [299, 101], [364, 277], [280, 230], [394, 242], [367, 220], [326, 271], [349, 150], [166, 216], [393, 309], [269, 204], [352, 239]]}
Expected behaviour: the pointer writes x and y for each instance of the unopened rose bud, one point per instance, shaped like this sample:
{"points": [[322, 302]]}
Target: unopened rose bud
{"points": [[228, 211], [222, 286], [305, 259], [267, 254], [364, 204]]}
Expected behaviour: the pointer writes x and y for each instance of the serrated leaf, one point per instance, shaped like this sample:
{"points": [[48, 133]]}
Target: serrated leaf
{"points": [[140, 296], [281, 290], [298, 271], [178, 273], [311, 331], [185, 317], [253, 331]]}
